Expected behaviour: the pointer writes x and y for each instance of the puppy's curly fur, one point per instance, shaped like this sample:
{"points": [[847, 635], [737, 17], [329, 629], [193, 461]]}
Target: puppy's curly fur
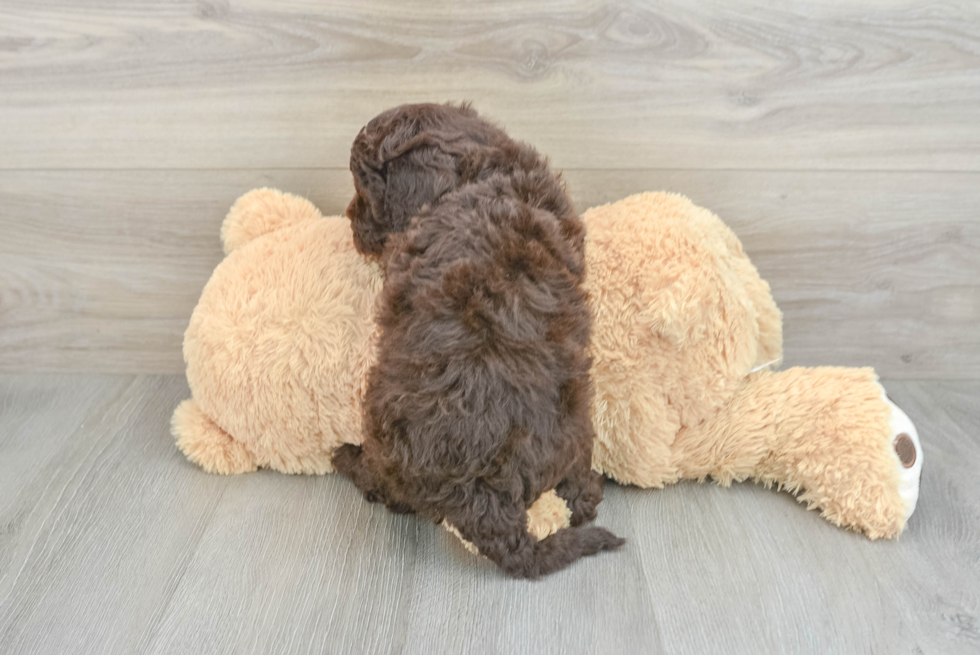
{"points": [[479, 401]]}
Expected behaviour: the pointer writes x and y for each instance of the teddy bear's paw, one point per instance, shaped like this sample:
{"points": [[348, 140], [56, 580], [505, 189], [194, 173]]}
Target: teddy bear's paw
{"points": [[206, 444], [262, 211], [907, 454], [548, 515]]}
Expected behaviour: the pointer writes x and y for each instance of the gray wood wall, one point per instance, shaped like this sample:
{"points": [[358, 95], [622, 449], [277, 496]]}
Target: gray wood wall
{"points": [[841, 141]]}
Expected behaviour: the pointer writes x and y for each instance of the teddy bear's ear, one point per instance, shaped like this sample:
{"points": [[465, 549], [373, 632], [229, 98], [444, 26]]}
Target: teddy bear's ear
{"points": [[262, 211]]}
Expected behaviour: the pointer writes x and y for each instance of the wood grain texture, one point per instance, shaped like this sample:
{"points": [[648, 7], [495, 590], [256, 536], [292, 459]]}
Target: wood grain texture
{"points": [[883, 84], [100, 270], [841, 141], [110, 542]]}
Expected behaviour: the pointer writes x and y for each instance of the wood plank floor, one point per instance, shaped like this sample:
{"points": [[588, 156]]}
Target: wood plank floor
{"points": [[841, 141], [110, 542]]}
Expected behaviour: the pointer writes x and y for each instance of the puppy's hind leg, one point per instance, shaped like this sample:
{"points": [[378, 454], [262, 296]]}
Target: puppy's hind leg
{"points": [[582, 492], [582, 487], [500, 533], [349, 462]]}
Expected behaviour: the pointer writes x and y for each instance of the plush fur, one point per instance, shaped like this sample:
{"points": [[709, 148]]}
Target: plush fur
{"points": [[279, 347], [480, 399]]}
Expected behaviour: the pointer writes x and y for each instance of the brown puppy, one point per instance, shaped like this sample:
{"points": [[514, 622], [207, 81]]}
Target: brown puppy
{"points": [[479, 401]]}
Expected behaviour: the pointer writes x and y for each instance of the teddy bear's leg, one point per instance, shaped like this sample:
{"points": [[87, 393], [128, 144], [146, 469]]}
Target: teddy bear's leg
{"points": [[908, 454], [827, 434], [206, 444]]}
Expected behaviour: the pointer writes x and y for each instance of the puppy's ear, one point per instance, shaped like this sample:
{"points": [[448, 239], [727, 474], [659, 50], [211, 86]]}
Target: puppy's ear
{"points": [[418, 175], [367, 210], [367, 167]]}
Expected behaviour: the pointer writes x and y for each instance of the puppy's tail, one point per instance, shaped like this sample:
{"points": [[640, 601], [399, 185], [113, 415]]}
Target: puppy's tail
{"points": [[514, 550], [564, 547]]}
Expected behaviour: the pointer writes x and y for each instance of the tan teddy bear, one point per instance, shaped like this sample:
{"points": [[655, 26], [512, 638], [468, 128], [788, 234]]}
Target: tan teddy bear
{"points": [[684, 335]]}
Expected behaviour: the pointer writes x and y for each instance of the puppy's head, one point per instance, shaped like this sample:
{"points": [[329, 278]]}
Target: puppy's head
{"points": [[405, 158]]}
